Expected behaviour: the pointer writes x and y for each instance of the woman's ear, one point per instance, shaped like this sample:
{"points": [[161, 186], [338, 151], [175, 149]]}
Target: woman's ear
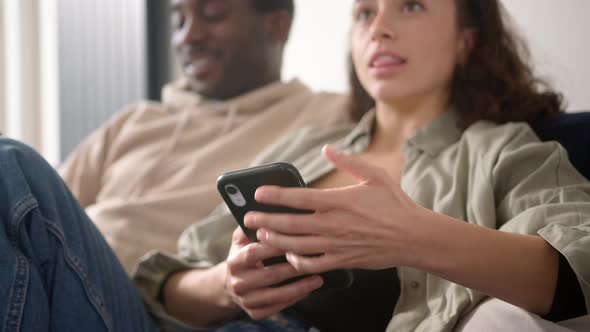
{"points": [[466, 44]]}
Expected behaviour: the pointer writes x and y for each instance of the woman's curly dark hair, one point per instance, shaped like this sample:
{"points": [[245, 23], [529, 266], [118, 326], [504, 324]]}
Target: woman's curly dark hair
{"points": [[496, 82]]}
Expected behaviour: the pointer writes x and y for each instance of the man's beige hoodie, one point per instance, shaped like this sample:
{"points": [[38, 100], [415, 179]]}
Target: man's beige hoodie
{"points": [[151, 171]]}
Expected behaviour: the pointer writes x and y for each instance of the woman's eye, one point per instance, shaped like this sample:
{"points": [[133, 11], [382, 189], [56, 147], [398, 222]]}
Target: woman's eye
{"points": [[413, 7], [363, 14]]}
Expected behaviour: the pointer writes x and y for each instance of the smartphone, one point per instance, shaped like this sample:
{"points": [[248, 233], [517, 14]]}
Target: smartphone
{"points": [[237, 189]]}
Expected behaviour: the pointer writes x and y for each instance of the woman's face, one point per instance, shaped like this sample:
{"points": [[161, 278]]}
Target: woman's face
{"points": [[406, 50]]}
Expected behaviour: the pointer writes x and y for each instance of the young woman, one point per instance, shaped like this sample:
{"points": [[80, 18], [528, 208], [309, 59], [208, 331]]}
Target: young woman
{"points": [[443, 195], [439, 200]]}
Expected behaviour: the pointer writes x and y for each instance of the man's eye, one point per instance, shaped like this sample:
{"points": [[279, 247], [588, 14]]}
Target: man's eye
{"points": [[178, 21], [413, 7], [215, 13]]}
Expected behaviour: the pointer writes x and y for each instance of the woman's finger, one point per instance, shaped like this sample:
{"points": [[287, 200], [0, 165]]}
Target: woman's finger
{"points": [[354, 166], [265, 312], [267, 276], [271, 296], [293, 224], [313, 264], [308, 199], [239, 238], [250, 256], [304, 244]]}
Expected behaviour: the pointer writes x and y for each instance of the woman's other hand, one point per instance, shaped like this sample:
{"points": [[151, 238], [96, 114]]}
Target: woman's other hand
{"points": [[251, 285]]}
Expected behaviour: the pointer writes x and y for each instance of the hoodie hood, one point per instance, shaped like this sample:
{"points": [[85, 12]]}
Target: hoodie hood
{"points": [[178, 95]]}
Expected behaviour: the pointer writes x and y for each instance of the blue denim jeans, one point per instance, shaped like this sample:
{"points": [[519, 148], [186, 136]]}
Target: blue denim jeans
{"points": [[57, 273]]}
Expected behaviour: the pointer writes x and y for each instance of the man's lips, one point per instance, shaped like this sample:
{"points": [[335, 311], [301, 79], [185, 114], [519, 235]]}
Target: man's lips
{"points": [[198, 66]]}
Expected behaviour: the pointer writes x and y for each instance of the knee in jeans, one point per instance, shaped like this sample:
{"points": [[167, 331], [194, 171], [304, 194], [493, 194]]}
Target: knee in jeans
{"points": [[23, 172]]}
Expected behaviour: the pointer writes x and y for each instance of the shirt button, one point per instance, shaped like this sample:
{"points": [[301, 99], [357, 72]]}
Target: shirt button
{"points": [[414, 285]]}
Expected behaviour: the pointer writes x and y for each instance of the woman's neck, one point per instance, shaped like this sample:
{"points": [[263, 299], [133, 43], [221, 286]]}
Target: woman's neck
{"points": [[395, 124]]}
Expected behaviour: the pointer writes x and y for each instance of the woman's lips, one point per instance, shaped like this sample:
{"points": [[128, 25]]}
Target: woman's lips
{"points": [[386, 63]]}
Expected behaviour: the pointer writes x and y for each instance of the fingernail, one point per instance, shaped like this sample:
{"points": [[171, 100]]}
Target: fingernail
{"points": [[262, 235], [289, 256], [317, 282], [259, 195], [250, 220]]}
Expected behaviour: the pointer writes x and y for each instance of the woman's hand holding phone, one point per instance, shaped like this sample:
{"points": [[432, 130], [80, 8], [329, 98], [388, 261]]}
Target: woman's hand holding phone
{"points": [[253, 286], [370, 225]]}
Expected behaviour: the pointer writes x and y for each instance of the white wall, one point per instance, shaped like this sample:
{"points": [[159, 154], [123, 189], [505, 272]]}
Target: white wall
{"points": [[28, 74], [316, 52], [557, 32], [2, 76]]}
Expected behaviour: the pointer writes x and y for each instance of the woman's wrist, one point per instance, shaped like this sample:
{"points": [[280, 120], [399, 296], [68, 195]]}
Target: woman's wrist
{"points": [[428, 241], [198, 297]]}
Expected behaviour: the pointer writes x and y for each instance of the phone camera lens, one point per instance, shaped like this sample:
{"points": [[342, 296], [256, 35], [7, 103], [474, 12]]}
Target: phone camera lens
{"points": [[231, 190]]}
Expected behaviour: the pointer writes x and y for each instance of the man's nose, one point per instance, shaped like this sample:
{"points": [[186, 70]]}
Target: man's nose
{"points": [[194, 30]]}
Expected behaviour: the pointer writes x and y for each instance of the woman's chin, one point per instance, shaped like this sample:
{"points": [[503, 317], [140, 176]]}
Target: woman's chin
{"points": [[391, 97]]}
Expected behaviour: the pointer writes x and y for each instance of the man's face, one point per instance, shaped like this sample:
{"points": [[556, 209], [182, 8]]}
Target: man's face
{"points": [[223, 46]]}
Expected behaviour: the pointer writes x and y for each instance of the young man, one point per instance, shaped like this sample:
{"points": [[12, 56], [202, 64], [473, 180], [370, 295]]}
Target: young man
{"points": [[150, 172]]}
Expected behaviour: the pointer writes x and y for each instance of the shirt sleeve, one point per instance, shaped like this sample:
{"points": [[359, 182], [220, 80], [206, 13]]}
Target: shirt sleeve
{"points": [[539, 192], [84, 168], [207, 242], [201, 246]]}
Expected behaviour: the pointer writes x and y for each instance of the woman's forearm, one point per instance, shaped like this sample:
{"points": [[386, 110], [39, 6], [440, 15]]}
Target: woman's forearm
{"points": [[198, 297], [519, 269]]}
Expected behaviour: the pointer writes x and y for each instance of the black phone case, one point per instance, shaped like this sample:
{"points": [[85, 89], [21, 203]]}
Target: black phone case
{"points": [[276, 174]]}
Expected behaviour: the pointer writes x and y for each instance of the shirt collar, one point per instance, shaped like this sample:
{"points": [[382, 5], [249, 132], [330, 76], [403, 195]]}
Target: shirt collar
{"points": [[438, 134]]}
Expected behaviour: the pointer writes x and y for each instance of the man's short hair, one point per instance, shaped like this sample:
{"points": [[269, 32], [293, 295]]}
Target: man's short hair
{"points": [[267, 6]]}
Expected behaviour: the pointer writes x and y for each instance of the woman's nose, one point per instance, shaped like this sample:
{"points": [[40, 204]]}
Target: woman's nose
{"points": [[382, 27]]}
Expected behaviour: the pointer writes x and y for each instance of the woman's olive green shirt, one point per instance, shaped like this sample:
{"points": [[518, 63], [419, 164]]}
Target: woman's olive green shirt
{"points": [[496, 176]]}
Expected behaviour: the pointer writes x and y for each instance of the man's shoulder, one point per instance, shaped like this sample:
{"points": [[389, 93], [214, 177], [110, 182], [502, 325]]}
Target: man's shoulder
{"points": [[140, 111], [326, 108]]}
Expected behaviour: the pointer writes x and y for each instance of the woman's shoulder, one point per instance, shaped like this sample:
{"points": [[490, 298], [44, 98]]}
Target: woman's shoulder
{"points": [[491, 144], [488, 131], [494, 138]]}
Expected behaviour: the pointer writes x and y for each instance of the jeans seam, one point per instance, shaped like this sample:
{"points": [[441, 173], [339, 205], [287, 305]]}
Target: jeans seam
{"points": [[18, 293], [75, 264], [22, 207], [15, 310]]}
